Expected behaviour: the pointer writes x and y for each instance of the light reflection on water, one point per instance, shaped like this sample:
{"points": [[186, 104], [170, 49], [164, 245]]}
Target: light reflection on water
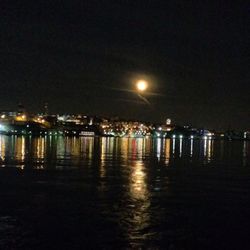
{"points": [[139, 209], [138, 187], [191, 147], [41, 152], [167, 151]]}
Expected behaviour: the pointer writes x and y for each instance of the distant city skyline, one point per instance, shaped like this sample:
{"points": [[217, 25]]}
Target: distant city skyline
{"points": [[46, 110]]}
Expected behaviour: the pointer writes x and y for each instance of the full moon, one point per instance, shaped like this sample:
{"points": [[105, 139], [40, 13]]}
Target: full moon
{"points": [[141, 85]]}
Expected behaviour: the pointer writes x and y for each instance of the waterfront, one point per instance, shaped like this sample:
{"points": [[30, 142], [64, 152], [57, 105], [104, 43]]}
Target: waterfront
{"points": [[112, 193]]}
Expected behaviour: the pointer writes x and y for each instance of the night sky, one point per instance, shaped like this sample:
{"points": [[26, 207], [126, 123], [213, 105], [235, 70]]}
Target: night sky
{"points": [[84, 56]]}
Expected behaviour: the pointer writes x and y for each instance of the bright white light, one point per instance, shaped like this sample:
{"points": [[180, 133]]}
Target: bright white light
{"points": [[2, 116], [192, 137], [142, 85], [181, 136], [174, 136], [168, 121], [2, 127]]}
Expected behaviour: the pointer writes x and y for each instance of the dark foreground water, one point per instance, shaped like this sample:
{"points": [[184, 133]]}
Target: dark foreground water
{"points": [[110, 193]]}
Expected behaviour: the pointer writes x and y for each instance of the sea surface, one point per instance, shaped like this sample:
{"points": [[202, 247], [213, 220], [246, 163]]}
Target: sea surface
{"points": [[124, 193]]}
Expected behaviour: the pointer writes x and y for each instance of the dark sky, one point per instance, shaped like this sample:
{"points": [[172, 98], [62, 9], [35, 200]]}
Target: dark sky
{"points": [[79, 55]]}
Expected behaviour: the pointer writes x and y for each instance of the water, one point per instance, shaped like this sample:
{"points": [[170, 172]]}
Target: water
{"points": [[120, 193]]}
